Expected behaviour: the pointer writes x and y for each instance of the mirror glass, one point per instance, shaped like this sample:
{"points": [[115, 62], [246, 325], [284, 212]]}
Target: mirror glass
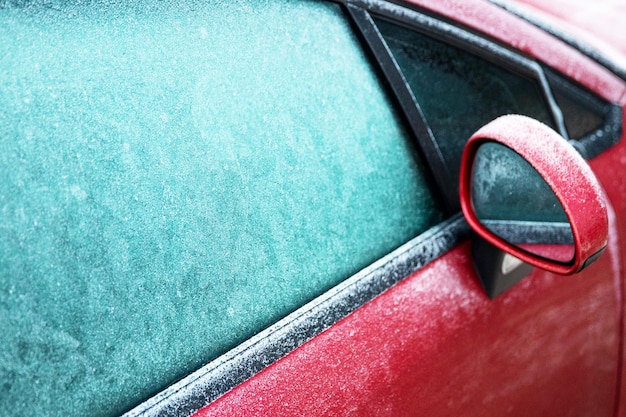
{"points": [[515, 203]]}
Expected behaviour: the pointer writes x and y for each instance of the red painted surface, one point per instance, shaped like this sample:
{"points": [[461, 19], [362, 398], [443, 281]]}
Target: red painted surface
{"points": [[599, 23], [435, 345], [610, 168], [565, 171], [563, 253]]}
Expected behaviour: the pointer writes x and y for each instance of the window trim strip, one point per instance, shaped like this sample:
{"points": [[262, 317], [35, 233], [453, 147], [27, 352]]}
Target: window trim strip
{"points": [[608, 133]]}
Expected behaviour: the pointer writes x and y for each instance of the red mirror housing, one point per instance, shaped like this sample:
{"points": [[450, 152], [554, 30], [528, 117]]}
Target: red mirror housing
{"points": [[565, 172]]}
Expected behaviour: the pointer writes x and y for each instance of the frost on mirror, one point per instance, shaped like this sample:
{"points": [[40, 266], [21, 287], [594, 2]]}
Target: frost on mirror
{"points": [[515, 203]]}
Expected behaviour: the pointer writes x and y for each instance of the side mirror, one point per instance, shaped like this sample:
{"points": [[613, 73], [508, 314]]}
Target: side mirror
{"points": [[527, 192]]}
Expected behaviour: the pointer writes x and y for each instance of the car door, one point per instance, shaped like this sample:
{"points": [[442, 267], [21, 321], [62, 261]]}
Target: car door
{"points": [[301, 247]]}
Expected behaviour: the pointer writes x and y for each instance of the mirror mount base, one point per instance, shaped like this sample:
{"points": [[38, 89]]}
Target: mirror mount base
{"points": [[498, 271]]}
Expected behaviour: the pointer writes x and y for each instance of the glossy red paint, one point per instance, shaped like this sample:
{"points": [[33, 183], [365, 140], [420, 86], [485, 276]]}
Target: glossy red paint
{"points": [[565, 171], [435, 345]]}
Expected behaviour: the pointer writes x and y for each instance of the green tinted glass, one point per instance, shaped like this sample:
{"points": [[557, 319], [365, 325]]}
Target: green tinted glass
{"points": [[175, 178]]}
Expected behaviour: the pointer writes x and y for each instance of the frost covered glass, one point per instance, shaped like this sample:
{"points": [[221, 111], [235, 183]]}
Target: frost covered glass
{"points": [[175, 177], [459, 92], [513, 201]]}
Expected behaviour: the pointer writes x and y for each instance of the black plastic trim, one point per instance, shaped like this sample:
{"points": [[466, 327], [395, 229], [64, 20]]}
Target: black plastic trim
{"points": [[598, 141], [593, 258], [515, 231], [592, 144], [459, 37], [489, 262], [231, 369]]}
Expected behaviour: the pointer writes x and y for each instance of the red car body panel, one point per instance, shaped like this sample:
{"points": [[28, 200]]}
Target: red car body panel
{"points": [[599, 22], [601, 25], [609, 168], [434, 344]]}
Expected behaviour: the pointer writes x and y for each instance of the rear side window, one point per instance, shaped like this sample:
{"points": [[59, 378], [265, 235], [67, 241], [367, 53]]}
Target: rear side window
{"points": [[173, 179], [459, 92]]}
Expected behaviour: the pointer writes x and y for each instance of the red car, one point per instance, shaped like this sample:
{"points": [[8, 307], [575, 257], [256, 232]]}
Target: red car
{"points": [[312, 208]]}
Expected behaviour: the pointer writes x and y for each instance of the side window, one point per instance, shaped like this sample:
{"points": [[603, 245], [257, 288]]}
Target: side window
{"points": [[173, 180], [459, 92]]}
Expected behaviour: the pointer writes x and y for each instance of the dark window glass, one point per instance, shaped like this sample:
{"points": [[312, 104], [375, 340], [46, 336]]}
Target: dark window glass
{"points": [[458, 91], [579, 120], [583, 112]]}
